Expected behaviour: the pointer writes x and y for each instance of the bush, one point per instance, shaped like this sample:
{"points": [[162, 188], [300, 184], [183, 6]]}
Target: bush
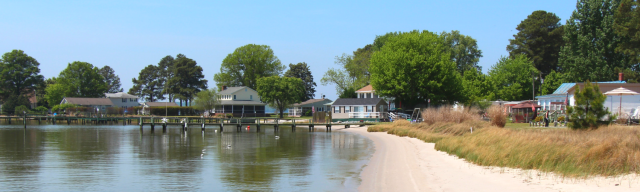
{"points": [[589, 108], [539, 118], [19, 110], [561, 118], [308, 113], [497, 115]]}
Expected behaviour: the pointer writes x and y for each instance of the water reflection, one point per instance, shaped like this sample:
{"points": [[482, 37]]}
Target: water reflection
{"points": [[124, 158]]}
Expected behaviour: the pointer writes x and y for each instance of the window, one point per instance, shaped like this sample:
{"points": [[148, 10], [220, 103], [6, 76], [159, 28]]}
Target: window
{"points": [[250, 97], [347, 109], [336, 109], [245, 89], [234, 97], [124, 100]]}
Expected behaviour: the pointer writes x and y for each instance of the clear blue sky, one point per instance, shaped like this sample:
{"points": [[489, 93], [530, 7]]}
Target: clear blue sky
{"points": [[129, 35]]}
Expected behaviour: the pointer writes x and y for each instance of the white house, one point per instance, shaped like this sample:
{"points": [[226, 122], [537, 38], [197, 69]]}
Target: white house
{"points": [[122, 99], [556, 100], [359, 108], [240, 102]]}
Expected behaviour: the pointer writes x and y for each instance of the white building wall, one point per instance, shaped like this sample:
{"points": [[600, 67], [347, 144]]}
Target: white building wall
{"points": [[130, 102]]}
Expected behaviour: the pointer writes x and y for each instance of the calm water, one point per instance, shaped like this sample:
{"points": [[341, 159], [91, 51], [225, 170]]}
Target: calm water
{"points": [[117, 158]]}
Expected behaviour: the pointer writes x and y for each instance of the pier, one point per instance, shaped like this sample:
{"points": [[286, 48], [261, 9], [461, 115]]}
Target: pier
{"points": [[184, 122]]}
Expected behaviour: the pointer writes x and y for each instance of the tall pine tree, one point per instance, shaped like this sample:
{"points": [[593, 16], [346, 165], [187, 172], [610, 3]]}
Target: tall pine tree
{"points": [[589, 52]]}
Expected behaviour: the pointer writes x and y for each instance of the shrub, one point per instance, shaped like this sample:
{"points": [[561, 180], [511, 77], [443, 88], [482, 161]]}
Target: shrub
{"points": [[539, 118], [589, 108], [497, 115], [41, 109], [308, 113], [19, 110], [561, 118]]}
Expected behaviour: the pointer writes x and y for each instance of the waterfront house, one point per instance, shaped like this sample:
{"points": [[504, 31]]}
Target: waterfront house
{"points": [[122, 99], [369, 92], [240, 102], [97, 103], [556, 100], [299, 109], [359, 109]]}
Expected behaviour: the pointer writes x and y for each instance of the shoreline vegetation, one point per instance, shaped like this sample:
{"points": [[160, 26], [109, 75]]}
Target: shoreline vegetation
{"points": [[608, 151]]}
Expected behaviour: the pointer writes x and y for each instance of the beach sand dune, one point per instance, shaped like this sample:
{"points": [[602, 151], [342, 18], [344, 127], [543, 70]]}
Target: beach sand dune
{"points": [[408, 164]]}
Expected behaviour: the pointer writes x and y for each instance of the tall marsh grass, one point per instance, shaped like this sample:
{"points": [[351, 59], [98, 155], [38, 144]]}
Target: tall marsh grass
{"points": [[607, 151], [497, 115], [448, 114]]}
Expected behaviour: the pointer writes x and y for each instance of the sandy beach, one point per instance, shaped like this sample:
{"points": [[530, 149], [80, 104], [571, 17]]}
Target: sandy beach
{"points": [[408, 164]]}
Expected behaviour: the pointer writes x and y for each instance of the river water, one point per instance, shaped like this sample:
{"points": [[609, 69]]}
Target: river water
{"points": [[122, 158]]}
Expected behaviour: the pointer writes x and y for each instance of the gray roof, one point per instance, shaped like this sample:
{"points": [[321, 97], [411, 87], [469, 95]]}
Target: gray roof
{"points": [[358, 101], [231, 90], [240, 102], [120, 95], [160, 104], [311, 101], [88, 101]]}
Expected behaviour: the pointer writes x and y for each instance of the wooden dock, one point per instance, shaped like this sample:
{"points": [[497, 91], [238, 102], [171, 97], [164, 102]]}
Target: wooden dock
{"points": [[184, 122]]}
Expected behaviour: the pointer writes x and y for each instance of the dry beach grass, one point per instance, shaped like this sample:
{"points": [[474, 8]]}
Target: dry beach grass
{"points": [[607, 151]]}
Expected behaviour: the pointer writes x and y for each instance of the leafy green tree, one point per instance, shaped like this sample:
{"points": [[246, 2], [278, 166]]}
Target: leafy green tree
{"points": [[629, 75], [588, 108], [54, 92], [149, 84], [206, 100], [476, 87], [627, 25], [464, 50], [338, 77], [589, 52], [247, 64], [79, 79], [112, 80], [19, 75], [187, 80], [166, 73], [539, 37], [415, 66], [280, 92], [512, 78], [301, 71], [552, 82], [13, 101], [348, 93]]}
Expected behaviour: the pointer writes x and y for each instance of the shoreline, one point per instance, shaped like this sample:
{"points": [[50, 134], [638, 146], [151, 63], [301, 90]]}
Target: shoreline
{"points": [[409, 164]]}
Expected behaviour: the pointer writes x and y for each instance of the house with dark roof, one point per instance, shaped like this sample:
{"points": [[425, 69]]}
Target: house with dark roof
{"points": [[98, 103], [299, 109], [240, 102], [359, 109]]}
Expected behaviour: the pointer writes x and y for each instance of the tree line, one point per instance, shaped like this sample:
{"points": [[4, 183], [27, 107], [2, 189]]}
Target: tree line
{"points": [[598, 41], [173, 78]]}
